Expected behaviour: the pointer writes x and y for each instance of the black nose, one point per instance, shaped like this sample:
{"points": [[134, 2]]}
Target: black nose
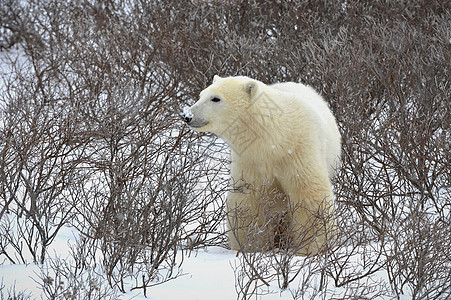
{"points": [[187, 119]]}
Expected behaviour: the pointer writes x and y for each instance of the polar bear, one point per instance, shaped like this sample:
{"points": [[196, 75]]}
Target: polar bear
{"points": [[285, 148]]}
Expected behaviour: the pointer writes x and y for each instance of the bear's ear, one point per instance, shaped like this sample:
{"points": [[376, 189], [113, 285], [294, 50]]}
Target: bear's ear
{"points": [[251, 88], [215, 78]]}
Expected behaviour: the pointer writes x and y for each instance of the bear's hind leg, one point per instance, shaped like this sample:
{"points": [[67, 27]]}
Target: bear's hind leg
{"points": [[311, 225], [311, 215]]}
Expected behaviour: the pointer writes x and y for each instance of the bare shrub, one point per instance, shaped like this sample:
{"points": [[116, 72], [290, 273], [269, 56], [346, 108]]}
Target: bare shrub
{"points": [[12, 24], [11, 293], [59, 279], [90, 136], [100, 143], [38, 159]]}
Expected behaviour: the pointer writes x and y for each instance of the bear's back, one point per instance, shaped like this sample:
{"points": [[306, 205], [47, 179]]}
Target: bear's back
{"points": [[329, 134], [307, 95]]}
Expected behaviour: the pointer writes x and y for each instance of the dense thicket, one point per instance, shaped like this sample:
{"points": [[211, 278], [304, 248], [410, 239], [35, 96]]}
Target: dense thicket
{"points": [[90, 134]]}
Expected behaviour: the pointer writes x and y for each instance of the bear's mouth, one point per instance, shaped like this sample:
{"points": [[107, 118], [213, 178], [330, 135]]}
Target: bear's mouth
{"points": [[198, 124]]}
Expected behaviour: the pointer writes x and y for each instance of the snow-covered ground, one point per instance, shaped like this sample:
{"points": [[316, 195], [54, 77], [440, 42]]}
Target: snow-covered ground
{"points": [[206, 274]]}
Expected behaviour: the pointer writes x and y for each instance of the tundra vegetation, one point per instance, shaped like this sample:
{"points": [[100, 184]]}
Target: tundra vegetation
{"points": [[91, 139]]}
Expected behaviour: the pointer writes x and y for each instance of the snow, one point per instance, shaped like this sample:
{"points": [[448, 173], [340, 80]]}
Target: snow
{"points": [[19, 278], [206, 274], [187, 112]]}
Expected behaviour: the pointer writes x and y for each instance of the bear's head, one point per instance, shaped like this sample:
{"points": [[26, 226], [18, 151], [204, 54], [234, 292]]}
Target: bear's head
{"points": [[221, 103]]}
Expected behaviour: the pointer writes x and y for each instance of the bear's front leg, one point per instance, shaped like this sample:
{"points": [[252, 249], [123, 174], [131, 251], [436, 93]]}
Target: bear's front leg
{"points": [[246, 223]]}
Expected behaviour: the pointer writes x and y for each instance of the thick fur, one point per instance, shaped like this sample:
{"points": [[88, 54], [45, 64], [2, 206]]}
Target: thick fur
{"points": [[284, 141]]}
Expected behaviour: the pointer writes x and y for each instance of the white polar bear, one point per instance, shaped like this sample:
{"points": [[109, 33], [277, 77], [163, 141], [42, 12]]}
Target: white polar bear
{"points": [[285, 147]]}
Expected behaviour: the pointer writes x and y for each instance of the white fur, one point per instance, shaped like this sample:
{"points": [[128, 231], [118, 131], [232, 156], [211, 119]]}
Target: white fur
{"points": [[282, 134]]}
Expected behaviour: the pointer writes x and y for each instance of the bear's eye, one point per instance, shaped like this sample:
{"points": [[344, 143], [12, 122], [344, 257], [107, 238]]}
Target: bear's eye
{"points": [[215, 99]]}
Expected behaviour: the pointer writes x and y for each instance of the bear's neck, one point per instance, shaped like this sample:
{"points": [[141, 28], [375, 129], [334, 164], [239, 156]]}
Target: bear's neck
{"points": [[246, 136], [257, 127]]}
